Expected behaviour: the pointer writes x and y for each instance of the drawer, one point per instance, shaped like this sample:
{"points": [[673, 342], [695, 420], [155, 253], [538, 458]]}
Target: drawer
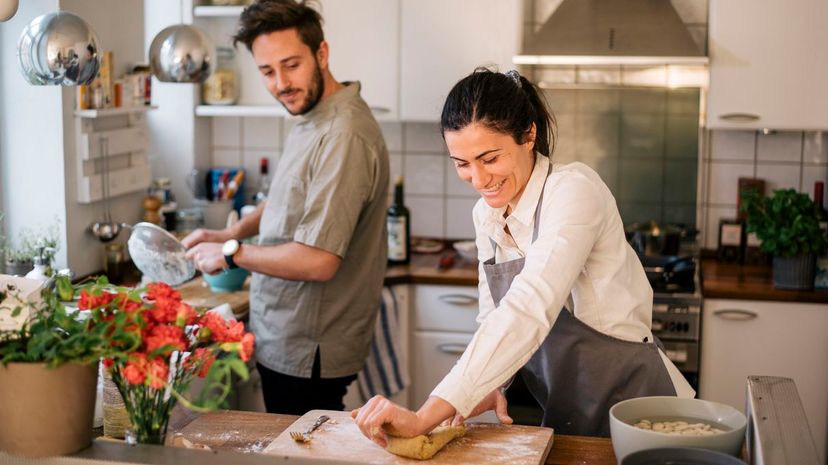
{"points": [[445, 308], [435, 353]]}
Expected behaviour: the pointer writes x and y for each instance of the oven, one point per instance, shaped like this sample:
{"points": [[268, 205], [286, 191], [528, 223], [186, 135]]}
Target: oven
{"points": [[677, 323]]}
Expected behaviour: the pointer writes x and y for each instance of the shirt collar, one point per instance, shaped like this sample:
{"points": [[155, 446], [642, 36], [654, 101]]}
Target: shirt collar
{"points": [[328, 104]]}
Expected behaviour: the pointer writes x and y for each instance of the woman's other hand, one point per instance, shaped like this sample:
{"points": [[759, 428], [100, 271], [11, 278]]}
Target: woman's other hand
{"points": [[496, 400], [379, 415]]}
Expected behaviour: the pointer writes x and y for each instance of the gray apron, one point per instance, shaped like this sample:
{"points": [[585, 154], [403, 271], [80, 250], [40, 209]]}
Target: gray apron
{"points": [[578, 372]]}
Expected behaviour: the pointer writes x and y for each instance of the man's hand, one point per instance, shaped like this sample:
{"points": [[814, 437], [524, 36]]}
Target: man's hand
{"points": [[205, 235], [380, 416], [207, 257], [496, 400]]}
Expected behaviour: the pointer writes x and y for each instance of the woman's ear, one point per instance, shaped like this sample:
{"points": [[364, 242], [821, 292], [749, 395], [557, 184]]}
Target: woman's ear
{"points": [[530, 135]]}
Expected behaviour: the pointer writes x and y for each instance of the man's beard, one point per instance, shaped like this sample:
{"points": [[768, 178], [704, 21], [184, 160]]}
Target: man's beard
{"points": [[314, 93]]}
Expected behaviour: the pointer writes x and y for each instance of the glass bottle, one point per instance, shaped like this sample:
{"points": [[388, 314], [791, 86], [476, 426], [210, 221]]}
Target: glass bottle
{"points": [[399, 228], [221, 88]]}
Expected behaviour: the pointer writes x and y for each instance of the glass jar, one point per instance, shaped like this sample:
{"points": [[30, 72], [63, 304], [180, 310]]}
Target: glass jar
{"points": [[221, 88], [114, 262]]}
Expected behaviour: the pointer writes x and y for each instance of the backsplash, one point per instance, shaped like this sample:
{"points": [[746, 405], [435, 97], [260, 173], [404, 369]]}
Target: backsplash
{"points": [[784, 159]]}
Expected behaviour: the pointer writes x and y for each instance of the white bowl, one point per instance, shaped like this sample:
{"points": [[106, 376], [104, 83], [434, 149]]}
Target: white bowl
{"points": [[467, 250], [627, 438]]}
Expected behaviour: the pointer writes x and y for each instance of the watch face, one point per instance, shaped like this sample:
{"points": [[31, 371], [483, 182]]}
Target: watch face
{"points": [[230, 247]]}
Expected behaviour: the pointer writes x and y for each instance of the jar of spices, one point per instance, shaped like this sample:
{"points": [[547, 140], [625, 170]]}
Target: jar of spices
{"points": [[221, 88]]}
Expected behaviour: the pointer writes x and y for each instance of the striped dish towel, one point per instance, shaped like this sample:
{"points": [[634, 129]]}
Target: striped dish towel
{"points": [[384, 371]]}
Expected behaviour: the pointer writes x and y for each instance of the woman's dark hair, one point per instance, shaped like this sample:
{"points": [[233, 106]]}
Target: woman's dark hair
{"points": [[504, 102], [266, 16]]}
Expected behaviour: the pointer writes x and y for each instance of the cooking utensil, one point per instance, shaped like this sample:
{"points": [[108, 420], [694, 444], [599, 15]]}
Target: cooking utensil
{"points": [[307, 435], [107, 229], [655, 239], [181, 53], [58, 48], [158, 254]]}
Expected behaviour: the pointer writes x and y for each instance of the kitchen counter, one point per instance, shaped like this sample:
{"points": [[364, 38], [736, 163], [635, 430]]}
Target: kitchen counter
{"points": [[749, 282], [424, 269], [252, 432]]}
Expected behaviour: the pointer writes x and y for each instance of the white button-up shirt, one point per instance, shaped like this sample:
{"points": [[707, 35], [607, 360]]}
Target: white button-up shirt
{"points": [[580, 259]]}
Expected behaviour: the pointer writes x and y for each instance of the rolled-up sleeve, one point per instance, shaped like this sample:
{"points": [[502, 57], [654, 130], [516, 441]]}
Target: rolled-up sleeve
{"points": [[571, 220], [342, 182]]}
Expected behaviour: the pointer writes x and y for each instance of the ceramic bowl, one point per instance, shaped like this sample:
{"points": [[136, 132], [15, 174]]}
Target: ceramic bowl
{"points": [[680, 456], [627, 438], [227, 280], [467, 250]]}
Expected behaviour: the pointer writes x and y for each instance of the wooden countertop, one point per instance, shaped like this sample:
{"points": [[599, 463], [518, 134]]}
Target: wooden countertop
{"points": [[749, 282], [197, 293], [423, 269], [252, 432]]}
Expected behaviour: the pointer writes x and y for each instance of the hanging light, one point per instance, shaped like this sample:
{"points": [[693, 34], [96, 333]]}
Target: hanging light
{"points": [[182, 53], [7, 9], [59, 49]]}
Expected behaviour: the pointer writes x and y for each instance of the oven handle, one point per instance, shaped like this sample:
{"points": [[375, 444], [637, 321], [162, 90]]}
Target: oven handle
{"points": [[735, 314]]}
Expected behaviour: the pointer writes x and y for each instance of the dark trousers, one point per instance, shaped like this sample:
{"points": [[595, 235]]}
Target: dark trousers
{"points": [[295, 396]]}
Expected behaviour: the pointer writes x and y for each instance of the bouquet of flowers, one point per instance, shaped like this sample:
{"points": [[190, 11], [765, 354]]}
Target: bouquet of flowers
{"points": [[159, 344]]}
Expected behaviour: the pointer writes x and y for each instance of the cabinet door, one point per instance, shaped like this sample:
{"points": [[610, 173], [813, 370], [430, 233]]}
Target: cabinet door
{"points": [[365, 46], [435, 353], [444, 40], [446, 308], [742, 338], [768, 63]]}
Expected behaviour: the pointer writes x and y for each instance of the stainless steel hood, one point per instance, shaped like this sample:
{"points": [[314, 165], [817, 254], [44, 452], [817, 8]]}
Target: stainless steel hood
{"points": [[612, 32]]}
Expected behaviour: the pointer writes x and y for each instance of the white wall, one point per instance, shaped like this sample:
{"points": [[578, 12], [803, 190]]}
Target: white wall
{"points": [[125, 38], [31, 141]]}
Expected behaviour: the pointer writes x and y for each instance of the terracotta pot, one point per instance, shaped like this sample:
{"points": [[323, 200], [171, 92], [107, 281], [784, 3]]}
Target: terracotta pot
{"points": [[46, 412]]}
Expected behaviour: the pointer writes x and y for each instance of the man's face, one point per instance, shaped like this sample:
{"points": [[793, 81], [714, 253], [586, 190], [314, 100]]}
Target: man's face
{"points": [[289, 69]]}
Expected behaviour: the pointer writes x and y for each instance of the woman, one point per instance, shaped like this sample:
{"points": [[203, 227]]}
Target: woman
{"points": [[563, 297]]}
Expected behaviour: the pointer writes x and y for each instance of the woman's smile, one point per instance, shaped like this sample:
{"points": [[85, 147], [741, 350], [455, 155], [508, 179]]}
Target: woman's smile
{"points": [[493, 190]]}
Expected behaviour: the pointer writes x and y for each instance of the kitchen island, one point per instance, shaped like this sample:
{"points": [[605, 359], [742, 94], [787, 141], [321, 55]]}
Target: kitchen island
{"points": [[239, 437]]}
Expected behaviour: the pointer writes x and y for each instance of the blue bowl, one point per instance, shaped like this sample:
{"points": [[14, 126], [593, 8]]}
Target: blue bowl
{"points": [[227, 280]]}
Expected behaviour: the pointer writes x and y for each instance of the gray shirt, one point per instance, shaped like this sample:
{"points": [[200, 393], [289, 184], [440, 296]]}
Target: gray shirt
{"points": [[329, 191]]}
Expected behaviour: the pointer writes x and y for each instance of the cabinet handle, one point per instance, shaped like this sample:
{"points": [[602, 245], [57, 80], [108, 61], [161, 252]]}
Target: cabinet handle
{"points": [[452, 348], [739, 117], [458, 299], [735, 314], [380, 110]]}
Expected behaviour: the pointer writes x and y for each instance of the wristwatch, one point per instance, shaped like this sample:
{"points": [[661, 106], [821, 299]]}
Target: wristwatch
{"points": [[229, 249]]}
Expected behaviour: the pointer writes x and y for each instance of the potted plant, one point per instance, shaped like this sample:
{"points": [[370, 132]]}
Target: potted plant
{"points": [[48, 361], [18, 255], [787, 223]]}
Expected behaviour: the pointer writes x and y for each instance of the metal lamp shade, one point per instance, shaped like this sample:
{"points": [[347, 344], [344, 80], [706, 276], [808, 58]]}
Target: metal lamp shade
{"points": [[7, 9], [181, 53], [58, 49]]}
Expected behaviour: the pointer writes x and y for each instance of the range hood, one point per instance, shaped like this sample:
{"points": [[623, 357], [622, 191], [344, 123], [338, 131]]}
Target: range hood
{"points": [[612, 32]]}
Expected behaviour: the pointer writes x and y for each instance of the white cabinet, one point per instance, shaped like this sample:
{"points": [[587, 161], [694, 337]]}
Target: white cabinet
{"points": [[768, 64], [444, 40], [742, 338], [444, 323], [365, 46]]}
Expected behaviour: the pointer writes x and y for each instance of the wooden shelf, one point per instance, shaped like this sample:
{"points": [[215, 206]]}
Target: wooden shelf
{"points": [[217, 11], [240, 110], [102, 113]]}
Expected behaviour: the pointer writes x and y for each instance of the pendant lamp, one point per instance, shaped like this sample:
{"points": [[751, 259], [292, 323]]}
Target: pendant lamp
{"points": [[60, 49]]}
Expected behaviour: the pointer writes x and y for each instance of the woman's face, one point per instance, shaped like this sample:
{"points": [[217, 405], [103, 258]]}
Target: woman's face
{"points": [[495, 165]]}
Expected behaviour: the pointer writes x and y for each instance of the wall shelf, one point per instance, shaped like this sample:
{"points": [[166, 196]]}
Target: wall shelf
{"points": [[240, 110], [104, 112], [218, 11]]}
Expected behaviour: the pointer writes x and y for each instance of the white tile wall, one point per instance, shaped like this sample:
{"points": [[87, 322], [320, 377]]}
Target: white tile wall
{"points": [[733, 145], [227, 132], [815, 147], [459, 223], [424, 174], [779, 176], [779, 146], [724, 181], [427, 215], [262, 133]]}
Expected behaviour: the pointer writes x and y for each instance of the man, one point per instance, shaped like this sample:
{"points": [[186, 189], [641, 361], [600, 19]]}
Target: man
{"points": [[320, 262]]}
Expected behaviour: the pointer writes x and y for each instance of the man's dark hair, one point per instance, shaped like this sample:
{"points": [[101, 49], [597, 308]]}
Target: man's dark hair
{"points": [[266, 16], [507, 103]]}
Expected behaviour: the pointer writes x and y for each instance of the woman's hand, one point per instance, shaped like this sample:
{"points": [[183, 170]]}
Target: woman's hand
{"points": [[496, 400], [379, 415]]}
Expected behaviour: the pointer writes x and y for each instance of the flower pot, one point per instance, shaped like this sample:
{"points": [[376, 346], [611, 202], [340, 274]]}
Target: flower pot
{"points": [[16, 268], [46, 412], [794, 272]]}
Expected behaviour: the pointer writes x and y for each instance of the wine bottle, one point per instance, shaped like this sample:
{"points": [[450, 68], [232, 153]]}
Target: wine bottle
{"points": [[264, 182], [399, 228]]}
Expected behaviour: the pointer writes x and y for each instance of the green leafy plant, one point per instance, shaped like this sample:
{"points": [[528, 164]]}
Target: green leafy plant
{"points": [[51, 334], [26, 247], [786, 222]]}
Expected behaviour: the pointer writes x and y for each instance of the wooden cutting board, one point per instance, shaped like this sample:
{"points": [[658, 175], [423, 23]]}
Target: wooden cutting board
{"points": [[484, 443]]}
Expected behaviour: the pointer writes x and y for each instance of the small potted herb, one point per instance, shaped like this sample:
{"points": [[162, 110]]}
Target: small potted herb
{"points": [[18, 255], [787, 223]]}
